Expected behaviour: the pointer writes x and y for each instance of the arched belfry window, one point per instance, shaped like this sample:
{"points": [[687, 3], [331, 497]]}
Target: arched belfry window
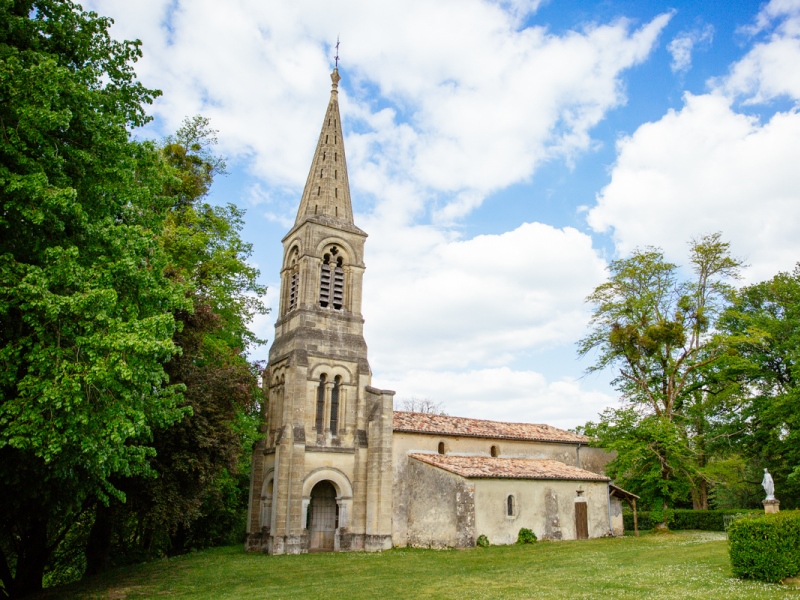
{"points": [[337, 383], [320, 421], [331, 280], [292, 281], [338, 284]]}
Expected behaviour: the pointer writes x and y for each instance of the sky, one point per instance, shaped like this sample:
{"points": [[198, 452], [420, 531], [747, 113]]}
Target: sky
{"points": [[500, 155]]}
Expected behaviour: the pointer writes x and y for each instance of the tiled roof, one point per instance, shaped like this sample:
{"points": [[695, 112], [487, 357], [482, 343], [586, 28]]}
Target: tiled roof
{"points": [[508, 468], [463, 427]]}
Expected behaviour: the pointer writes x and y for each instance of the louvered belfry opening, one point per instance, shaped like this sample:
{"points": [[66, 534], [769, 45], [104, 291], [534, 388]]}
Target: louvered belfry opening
{"points": [[331, 280], [325, 282], [293, 289], [338, 285]]}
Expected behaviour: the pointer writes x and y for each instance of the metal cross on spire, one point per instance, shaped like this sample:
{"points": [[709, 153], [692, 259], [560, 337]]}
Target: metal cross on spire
{"points": [[336, 58]]}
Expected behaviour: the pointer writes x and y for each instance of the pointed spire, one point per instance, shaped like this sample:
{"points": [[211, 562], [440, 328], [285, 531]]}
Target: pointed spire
{"points": [[327, 191]]}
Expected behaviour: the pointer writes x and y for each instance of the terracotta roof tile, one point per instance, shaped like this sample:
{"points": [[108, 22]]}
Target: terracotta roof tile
{"points": [[463, 427], [481, 467]]}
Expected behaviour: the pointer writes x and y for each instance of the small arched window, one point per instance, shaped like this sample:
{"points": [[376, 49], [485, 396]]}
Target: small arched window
{"points": [[337, 382], [320, 421], [441, 447], [495, 451], [510, 505]]}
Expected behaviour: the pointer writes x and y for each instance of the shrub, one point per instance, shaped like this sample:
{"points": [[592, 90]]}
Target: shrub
{"points": [[482, 541], [526, 536], [681, 518], [766, 548]]}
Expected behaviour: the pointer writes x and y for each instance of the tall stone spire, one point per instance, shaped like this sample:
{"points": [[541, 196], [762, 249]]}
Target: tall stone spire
{"points": [[327, 191]]}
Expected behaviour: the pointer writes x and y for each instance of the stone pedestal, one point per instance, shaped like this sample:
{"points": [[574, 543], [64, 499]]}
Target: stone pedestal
{"points": [[771, 506]]}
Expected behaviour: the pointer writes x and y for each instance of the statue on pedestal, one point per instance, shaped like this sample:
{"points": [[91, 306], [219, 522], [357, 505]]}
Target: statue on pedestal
{"points": [[769, 485]]}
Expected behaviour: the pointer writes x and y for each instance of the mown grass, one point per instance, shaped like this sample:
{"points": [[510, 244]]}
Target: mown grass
{"points": [[680, 565]]}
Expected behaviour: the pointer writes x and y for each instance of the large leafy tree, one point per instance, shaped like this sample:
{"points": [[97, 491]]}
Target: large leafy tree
{"points": [[198, 497], [86, 311], [656, 331], [763, 326]]}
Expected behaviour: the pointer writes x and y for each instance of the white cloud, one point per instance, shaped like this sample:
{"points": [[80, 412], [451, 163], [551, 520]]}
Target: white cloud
{"points": [[770, 68], [681, 47], [707, 168], [475, 105], [710, 168], [434, 302], [505, 395]]}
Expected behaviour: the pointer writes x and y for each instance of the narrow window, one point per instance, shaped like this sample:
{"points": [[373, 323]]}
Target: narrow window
{"points": [[336, 192], [335, 157], [319, 190], [338, 284], [321, 403], [510, 505], [326, 139], [325, 282], [293, 290], [336, 210], [335, 174], [334, 140], [329, 122], [441, 447], [321, 173], [495, 451], [323, 155], [337, 381]]}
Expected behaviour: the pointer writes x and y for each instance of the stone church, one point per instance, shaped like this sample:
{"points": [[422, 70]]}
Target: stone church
{"points": [[339, 469]]}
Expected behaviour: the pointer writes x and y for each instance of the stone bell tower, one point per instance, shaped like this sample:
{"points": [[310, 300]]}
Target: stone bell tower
{"points": [[322, 478]]}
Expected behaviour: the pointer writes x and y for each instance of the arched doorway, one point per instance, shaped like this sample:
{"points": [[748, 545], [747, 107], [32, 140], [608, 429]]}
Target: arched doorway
{"points": [[323, 516]]}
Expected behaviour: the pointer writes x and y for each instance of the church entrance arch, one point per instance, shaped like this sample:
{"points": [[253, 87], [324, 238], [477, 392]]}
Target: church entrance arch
{"points": [[323, 516]]}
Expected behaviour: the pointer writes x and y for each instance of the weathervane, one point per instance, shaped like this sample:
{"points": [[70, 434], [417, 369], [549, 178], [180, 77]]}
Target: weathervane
{"points": [[336, 58]]}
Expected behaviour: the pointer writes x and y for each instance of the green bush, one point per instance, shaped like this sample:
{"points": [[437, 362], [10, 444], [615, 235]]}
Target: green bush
{"points": [[766, 548], [683, 518], [482, 541], [526, 536]]}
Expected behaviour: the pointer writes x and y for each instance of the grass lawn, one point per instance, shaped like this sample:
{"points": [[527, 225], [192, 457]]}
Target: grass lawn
{"points": [[680, 565]]}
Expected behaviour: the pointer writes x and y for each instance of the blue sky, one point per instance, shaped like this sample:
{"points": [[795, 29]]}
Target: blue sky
{"points": [[500, 155]]}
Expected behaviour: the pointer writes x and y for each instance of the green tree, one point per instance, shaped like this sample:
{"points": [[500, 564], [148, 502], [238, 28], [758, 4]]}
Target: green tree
{"points": [[86, 311], [656, 331], [199, 495], [763, 326]]}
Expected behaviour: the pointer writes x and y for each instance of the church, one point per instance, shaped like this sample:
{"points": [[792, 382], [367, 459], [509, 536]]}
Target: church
{"points": [[339, 469]]}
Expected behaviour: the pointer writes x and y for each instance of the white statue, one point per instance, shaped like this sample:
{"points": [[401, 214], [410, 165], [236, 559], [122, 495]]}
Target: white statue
{"points": [[768, 485]]}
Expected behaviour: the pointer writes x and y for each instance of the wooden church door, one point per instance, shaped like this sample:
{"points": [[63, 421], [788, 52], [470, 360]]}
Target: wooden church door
{"points": [[323, 517]]}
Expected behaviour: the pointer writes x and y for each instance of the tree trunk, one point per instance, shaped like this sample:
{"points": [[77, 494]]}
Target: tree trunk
{"points": [[98, 546], [700, 495], [31, 560]]}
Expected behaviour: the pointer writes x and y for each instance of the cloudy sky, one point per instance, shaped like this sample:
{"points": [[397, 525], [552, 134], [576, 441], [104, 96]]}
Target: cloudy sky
{"points": [[500, 153]]}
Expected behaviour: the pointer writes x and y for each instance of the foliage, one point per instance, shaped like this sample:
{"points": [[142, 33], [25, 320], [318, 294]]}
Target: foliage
{"points": [[657, 332], [200, 495], [526, 536], [86, 313], [681, 518], [766, 548], [482, 541], [764, 330], [692, 566]]}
